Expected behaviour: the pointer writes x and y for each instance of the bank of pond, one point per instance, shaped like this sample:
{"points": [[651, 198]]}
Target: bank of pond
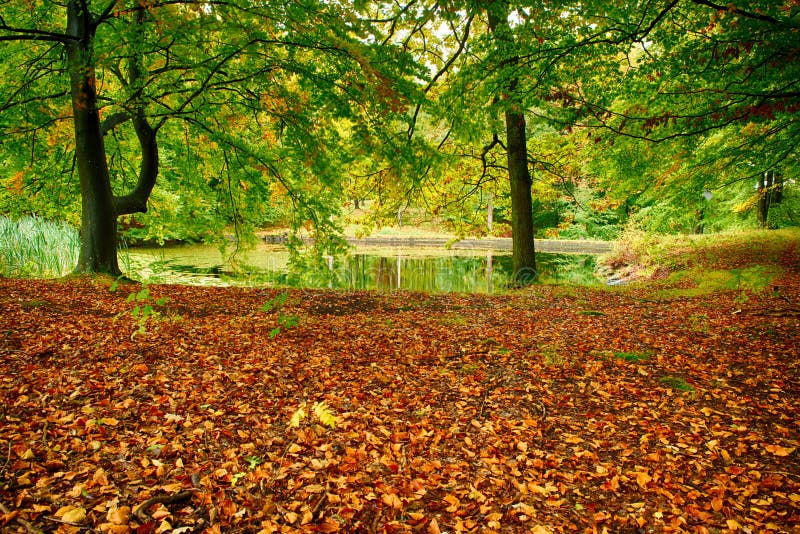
{"points": [[383, 268]]}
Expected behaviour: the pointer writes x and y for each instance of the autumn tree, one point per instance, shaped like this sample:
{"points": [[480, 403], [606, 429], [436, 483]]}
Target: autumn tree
{"points": [[709, 91], [264, 84]]}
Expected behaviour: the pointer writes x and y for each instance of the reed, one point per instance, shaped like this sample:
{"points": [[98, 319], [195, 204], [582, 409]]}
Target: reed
{"points": [[32, 247]]}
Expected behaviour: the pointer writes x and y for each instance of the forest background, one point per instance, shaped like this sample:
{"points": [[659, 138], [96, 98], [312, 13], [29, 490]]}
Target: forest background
{"points": [[179, 120], [669, 406]]}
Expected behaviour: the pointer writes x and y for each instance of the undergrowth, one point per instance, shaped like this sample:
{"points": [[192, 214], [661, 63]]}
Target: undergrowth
{"points": [[32, 247], [698, 264]]}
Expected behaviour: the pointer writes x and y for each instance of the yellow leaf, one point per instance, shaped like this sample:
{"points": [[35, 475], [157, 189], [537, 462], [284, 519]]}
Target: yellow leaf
{"points": [[433, 527], [119, 516], [324, 414], [777, 450], [73, 514], [390, 499], [716, 504], [539, 529], [297, 416], [642, 479]]}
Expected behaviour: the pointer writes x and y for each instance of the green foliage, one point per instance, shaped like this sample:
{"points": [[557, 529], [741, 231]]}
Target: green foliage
{"points": [[285, 321], [36, 247], [253, 462], [147, 309], [275, 303]]}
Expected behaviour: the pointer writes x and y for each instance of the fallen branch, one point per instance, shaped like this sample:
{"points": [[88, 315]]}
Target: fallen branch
{"points": [[140, 511]]}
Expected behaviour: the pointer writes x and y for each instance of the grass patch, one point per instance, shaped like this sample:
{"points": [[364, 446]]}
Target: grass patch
{"points": [[633, 357], [647, 254], [453, 320], [32, 247], [699, 281], [678, 383]]}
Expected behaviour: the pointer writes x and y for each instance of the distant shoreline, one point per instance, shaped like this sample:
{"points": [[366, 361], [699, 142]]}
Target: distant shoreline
{"points": [[575, 246]]}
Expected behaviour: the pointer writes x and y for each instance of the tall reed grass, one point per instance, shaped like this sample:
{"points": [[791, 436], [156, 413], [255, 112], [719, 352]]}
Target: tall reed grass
{"points": [[32, 247]]}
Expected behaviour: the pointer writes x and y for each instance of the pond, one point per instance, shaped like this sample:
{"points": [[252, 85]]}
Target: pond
{"points": [[385, 268]]}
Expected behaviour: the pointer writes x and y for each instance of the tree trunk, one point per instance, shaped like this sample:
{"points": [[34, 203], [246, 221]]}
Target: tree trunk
{"points": [[100, 208], [765, 183], [523, 254], [98, 253]]}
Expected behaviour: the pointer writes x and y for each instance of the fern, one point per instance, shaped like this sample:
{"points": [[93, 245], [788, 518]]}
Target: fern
{"points": [[298, 416], [320, 410], [324, 414]]}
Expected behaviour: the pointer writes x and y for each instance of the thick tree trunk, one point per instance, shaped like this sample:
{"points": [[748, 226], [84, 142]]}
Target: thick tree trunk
{"points": [[100, 208], [522, 231], [98, 253]]}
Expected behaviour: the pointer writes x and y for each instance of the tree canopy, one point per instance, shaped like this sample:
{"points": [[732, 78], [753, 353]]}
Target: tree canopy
{"points": [[241, 114]]}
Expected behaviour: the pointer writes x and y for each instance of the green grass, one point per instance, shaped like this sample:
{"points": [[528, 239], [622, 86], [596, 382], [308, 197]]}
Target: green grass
{"points": [[32, 247], [633, 357], [682, 252], [700, 281], [676, 382], [697, 265]]}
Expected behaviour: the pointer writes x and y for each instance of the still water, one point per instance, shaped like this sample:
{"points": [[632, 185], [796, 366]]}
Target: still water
{"points": [[420, 269]]}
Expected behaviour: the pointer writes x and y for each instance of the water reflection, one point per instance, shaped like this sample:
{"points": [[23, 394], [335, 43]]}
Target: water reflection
{"points": [[489, 273], [432, 270]]}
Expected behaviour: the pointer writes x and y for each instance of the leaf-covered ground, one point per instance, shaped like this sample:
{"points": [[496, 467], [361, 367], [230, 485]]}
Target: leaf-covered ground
{"points": [[655, 408]]}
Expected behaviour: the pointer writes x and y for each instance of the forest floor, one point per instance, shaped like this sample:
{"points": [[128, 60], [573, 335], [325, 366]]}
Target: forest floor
{"points": [[669, 405]]}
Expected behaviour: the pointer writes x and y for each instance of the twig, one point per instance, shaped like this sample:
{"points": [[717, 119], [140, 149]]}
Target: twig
{"points": [[140, 511], [8, 459], [57, 520], [374, 525], [30, 528], [319, 505]]}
